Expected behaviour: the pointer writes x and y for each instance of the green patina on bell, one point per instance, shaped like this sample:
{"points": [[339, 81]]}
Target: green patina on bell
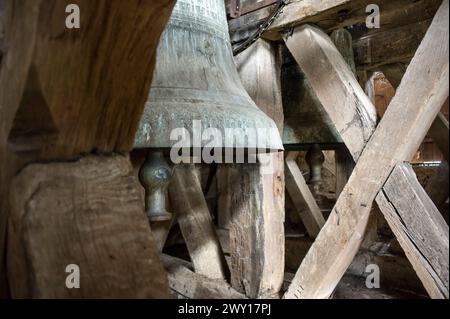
{"points": [[196, 81]]}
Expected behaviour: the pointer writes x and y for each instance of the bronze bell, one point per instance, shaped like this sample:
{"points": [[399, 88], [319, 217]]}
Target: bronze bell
{"points": [[196, 80]]}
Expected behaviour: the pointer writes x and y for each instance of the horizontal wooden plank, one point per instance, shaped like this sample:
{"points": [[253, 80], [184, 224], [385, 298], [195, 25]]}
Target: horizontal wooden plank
{"points": [[332, 15], [391, 46]]}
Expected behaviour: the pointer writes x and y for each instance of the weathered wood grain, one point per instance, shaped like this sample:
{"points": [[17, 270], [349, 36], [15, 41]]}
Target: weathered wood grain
{"points": [[342, 39], [335, 86], [187, 284], [90, 83], [89, 213], [257, 227], [398, 45], [302, 197], [330, 15], [258, 190], [194, 219], [415, 102], [418, 225]]}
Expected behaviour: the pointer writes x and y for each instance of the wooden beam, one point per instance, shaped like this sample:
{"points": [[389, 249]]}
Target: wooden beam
{"points": [[398, 45], [415, 102], [100, 119], [382, 92], [88, 213], [12, 84], [418, 225], [245, 26], [302, 197], [295, 13], [298, 11], [345, 164], [334, 75], [187, 284], [257, 228], [247, 6], [194, 219], [90, 107], [257, 190], [332, 15], [396, 270]]}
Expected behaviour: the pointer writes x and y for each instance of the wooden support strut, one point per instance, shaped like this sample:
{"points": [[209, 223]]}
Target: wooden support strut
{"points": [[415, 102], [256, 191], [302, 197], [409, 215], [195, 222], [90, 107]]}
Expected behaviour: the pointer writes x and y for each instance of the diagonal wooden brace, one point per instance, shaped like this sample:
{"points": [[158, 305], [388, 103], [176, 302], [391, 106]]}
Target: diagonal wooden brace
{"points": [[302, 197], [422, 92], [194, 219]]}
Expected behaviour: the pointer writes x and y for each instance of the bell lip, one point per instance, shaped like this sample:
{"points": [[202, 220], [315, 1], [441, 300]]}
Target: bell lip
{"points": [[166, 150], [194, 155]]}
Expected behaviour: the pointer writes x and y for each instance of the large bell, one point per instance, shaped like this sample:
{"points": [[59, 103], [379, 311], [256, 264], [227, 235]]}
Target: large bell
{"points": [[196, 83], [196, 79]]}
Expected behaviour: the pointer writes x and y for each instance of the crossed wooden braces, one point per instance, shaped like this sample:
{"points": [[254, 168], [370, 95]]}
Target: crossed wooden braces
{"points": [[380, 169], [381, 174]]}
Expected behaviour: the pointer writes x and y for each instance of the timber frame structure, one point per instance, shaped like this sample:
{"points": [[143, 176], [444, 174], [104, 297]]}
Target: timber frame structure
{"points": [[81, 157]]}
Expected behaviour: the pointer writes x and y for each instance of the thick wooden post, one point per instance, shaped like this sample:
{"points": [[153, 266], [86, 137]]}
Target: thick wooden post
{"points": [[82, 218], [78, 80], [257, 199], [256, 228]]}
